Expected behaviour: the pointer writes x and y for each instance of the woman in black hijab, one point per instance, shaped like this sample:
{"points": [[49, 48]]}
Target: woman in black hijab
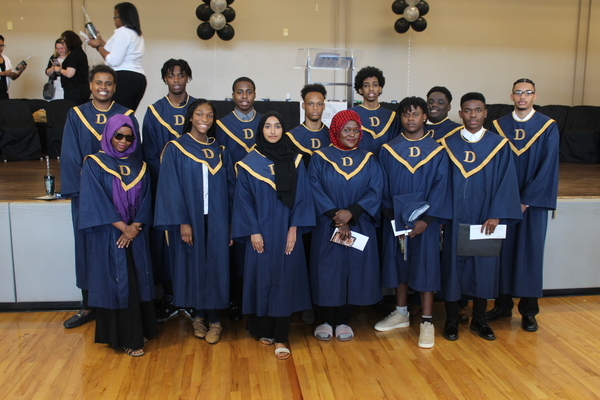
{"points": [[272, 207]]}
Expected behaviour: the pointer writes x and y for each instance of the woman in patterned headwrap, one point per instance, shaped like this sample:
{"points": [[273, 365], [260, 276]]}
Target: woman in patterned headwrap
{"points": [[347, 186], [115, 208]]}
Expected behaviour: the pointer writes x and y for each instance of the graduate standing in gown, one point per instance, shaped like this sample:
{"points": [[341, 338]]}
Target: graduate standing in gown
{"points": [[347, 185], [193, 204], [534, 141], [164, 121], [486, 193], [272, 209], [116, 212], [379, 124], [438, 105], [82, 136], [414, 165]]}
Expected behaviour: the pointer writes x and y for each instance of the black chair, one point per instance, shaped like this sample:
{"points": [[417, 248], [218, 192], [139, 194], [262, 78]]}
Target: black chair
{"points": [[56, 114], [557, 113], [580, 139], [19, 139], [495, 111]]}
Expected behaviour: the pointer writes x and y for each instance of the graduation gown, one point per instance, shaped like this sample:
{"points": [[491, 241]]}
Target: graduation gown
{"points": [[484, 184], [81, 137], [342, 275], [275, 284], [201, 271], [379, 126], [307, 141], [163, 122], [415, 166], [236, 135], [107, 264], [534, 145], [441, 129]]}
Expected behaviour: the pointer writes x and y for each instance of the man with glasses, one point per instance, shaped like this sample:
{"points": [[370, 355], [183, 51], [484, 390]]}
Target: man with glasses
{"points": [[534, 141]]}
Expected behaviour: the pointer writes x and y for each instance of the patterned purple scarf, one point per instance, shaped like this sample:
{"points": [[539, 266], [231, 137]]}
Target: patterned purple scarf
{"points": [[126, 202]]}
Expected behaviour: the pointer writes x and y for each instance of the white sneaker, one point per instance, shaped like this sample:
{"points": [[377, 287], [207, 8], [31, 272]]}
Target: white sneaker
{"points": [[392, 321], [427, 335]]}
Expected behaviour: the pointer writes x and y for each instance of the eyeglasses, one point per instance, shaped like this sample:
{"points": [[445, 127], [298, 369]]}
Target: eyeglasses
{"points": [[2, 46], [527, 93], [120, 136], [117, 17]]}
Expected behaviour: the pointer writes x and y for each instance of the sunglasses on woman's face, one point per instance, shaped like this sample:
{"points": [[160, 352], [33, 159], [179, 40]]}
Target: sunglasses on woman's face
{"points": [[120, 136]]}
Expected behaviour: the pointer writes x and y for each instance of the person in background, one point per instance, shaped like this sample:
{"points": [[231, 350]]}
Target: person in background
{"points": [[163, 122], [116, 211], [438, 103], [73, 71], [6, 71], [124, 52], [56, 59]]}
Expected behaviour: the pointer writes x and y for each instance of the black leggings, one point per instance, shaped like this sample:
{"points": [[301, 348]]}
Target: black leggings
{"points": [[131, 87]]}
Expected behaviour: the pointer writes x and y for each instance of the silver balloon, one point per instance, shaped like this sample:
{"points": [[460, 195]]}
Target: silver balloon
{"points": [[409, 2], [410, 14], [217, 21], [219, 5]]}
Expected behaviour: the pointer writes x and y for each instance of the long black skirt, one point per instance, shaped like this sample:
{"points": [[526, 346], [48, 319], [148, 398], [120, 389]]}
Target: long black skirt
{"points": [[127, 327]]}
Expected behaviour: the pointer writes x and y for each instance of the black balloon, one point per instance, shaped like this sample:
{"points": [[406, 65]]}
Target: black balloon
{"points": [[203, 12], [419, 25], [230, 1], [423, 7], [226, 33], [229, 14], [205, 31], [398, 6], [402, 25]]}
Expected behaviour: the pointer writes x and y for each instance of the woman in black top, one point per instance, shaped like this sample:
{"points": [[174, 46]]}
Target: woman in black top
{"points": [[74, 70]]}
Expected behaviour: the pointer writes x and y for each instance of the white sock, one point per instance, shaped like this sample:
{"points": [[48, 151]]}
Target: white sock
{"points": [[402, 310]]}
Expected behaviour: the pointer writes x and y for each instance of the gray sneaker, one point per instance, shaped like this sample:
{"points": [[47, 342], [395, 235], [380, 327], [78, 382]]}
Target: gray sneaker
{"points": [[427, 335], [393, 321]]}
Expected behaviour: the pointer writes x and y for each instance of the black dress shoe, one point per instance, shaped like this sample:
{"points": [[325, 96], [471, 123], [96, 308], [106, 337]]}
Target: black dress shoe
{"points": [[529, 324], [450, 330], [483, 330], [79, 319], [496, 313]]}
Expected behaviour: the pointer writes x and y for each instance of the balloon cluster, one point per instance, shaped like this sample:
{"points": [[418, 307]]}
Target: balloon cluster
{"points": [[216, 15], [412, 12]]}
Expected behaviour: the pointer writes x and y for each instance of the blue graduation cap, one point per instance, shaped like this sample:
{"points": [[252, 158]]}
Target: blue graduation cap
{"points": [[408, 208]]}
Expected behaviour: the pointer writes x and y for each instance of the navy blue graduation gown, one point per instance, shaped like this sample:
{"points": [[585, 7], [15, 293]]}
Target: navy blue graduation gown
{"points": [[81, 137], [108, 279], [307, 141], [236, 135], [415, 166], [342, 275], [163, 122], [275, 284], [484, 185], [534, 145], [200, 272], [379, 126], [441, 129]]}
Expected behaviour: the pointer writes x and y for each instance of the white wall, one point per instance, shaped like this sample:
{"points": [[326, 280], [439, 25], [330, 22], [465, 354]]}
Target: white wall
{"points": [[469, 45]]}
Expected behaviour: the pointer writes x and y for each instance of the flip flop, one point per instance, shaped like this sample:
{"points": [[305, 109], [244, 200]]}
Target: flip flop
{"points": [[344, 333], [134, 352], [266, 342], [324, 332], [282, 353]]}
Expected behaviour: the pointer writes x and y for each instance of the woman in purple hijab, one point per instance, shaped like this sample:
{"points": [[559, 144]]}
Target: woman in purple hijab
{"points": [[115, 210]]}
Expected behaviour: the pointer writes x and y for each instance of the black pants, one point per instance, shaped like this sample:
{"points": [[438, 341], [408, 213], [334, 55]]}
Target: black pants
{"points": [[277, 328], [335, 316], [528, 306], [479, 306], [131, 87]]}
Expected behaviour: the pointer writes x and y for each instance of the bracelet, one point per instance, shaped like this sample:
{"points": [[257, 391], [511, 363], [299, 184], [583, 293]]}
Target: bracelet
{"points": [[98, 47]]}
